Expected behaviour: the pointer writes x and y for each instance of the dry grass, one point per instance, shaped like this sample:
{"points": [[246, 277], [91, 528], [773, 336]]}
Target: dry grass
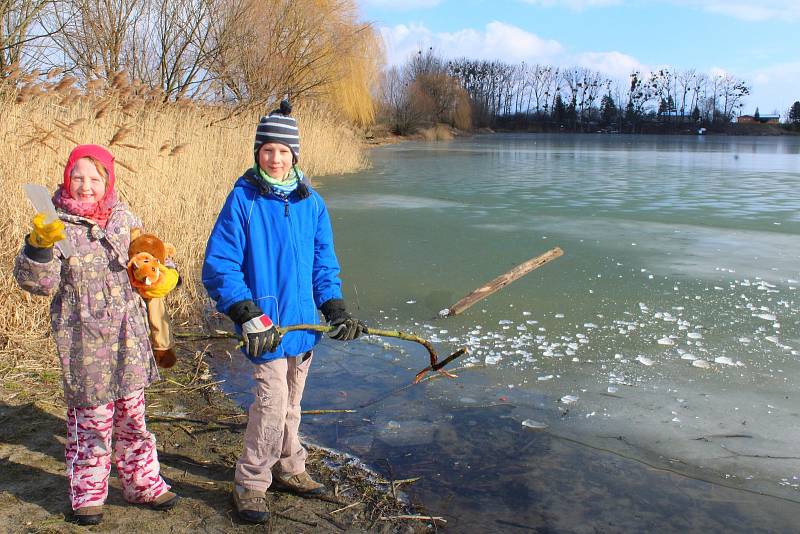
{"points": [[176, 164], [438, 132]]}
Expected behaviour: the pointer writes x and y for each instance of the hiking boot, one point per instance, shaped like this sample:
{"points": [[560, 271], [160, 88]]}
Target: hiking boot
{"points": [[301, 484], [251, 505], [165, 501], [88, 515]]}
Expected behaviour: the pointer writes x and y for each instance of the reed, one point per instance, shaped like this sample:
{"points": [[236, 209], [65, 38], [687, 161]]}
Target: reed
{"points": [[437, 132], [176, 164]]}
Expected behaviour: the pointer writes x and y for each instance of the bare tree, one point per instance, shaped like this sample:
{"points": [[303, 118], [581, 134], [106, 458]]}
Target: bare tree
{"points": [[685, 84], [282, 47], [173, 44], [732, 90], [20, 27], [540, 78], [95, 34]]}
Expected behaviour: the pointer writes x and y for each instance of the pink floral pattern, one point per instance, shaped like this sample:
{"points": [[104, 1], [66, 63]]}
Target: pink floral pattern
{"points": [[88, 453]]}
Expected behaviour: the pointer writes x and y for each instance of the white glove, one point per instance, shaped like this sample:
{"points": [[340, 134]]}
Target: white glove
{"points": [[260, 335]]}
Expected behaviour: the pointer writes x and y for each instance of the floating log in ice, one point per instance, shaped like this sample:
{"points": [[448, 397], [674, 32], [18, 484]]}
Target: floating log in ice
{"points": [[500, 282]]}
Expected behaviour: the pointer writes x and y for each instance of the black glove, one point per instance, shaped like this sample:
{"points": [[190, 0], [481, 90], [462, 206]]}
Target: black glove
{"points": [[258, 332], [346, 326]]}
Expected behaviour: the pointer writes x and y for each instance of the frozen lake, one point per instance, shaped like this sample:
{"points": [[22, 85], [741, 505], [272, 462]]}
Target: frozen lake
{"points": [[646, 379]]}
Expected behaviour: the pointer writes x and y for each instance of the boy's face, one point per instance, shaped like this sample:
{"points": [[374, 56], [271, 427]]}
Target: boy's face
{"points": [[275, 159], [86, 184]]}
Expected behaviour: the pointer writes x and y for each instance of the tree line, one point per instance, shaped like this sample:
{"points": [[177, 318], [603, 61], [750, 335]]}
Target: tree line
{"points": [[482, 93], [244, 52], [251, 53]]}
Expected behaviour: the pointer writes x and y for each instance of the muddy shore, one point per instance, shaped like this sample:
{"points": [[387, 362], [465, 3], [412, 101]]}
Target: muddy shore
{"points": [[199, 432]]}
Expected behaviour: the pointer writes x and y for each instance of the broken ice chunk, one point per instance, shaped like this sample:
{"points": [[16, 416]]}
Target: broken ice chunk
{"points": [[492, 359], [534, 425]]}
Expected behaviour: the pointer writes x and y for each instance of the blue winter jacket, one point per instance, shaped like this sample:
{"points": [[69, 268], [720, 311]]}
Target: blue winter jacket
{"points": [[276, 252]]}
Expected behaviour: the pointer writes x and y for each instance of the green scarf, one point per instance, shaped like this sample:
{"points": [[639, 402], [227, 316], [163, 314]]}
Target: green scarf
{"points": [[288, 183]]}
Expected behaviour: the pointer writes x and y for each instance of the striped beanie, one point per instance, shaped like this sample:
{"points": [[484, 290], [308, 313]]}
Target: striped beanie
{"points": [[278, 127]]}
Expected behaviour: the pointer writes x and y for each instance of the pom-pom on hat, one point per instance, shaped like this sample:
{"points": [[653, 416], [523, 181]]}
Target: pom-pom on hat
{"points": [[278, 127]]}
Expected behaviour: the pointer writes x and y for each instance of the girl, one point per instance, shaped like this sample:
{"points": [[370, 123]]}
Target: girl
{"points": [[100, 330]]}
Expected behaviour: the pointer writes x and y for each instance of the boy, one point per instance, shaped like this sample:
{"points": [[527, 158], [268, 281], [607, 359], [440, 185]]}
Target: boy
{"points": [[270, 256]]}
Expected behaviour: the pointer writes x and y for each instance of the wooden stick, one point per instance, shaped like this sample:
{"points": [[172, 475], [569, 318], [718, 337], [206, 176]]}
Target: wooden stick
{"points": [[434, 366], [414, 518], [322, 412], [346, 507], [500, 282]]}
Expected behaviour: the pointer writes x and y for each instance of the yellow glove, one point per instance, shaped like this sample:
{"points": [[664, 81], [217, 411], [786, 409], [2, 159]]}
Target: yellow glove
{"points": [[166, 283], [46, 235]]}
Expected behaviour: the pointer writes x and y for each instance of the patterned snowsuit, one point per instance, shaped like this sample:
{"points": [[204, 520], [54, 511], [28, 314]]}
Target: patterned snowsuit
{"points": [[100, 329]]}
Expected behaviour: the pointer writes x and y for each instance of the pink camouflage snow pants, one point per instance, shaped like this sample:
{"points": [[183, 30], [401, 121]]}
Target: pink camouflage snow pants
{"points": [[88, 452]]}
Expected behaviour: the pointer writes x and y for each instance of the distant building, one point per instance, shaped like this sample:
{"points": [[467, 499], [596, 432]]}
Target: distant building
{"points": [[764, 119]]}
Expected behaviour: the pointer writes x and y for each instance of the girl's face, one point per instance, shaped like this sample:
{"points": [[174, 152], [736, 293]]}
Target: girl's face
{"points": [[275, 159], [86, 183]]}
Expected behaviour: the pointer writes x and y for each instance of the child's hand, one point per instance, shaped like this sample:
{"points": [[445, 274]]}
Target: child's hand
{"points": [[45, 235], [260, 335], [347, 328], [167, 281]]}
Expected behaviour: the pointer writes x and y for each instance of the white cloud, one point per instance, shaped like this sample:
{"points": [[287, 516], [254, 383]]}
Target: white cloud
{"points": [[769, 88], [503, 42], [498, 41], [575, 5], [402, 5], [717, 71], [614, 64]]}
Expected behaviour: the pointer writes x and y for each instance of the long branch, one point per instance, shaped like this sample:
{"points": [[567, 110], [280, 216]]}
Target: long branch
{"points": [[434, 366]]}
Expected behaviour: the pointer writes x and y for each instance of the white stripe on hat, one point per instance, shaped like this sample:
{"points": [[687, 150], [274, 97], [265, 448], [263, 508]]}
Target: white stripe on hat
{"points": [[275, 134]]}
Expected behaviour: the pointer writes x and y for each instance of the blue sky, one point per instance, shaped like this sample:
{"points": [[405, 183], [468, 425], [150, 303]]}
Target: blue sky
{"points": [[752, 40]]}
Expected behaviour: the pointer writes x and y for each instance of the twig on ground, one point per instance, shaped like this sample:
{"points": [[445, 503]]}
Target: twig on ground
{"points": [[189, 432], [413, 518], [346, 507], [296, 519], [322, 412]]}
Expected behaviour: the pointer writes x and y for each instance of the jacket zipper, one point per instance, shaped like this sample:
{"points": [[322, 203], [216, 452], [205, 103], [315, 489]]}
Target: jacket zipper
{"points": [[294, 243]]}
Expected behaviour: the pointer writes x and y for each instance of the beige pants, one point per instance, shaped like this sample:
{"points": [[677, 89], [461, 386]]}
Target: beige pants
{"points": [[271, 441]]}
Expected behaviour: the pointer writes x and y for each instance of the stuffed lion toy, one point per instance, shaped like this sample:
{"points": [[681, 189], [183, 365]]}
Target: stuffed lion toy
{"points": [[153, 280]]}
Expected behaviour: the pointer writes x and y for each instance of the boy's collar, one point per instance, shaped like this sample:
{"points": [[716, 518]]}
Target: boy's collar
{"points": [[251, 177]]}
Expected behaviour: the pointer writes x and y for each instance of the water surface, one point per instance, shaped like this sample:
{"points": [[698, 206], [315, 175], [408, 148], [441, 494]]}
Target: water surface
{"points": [[660, 353]]}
